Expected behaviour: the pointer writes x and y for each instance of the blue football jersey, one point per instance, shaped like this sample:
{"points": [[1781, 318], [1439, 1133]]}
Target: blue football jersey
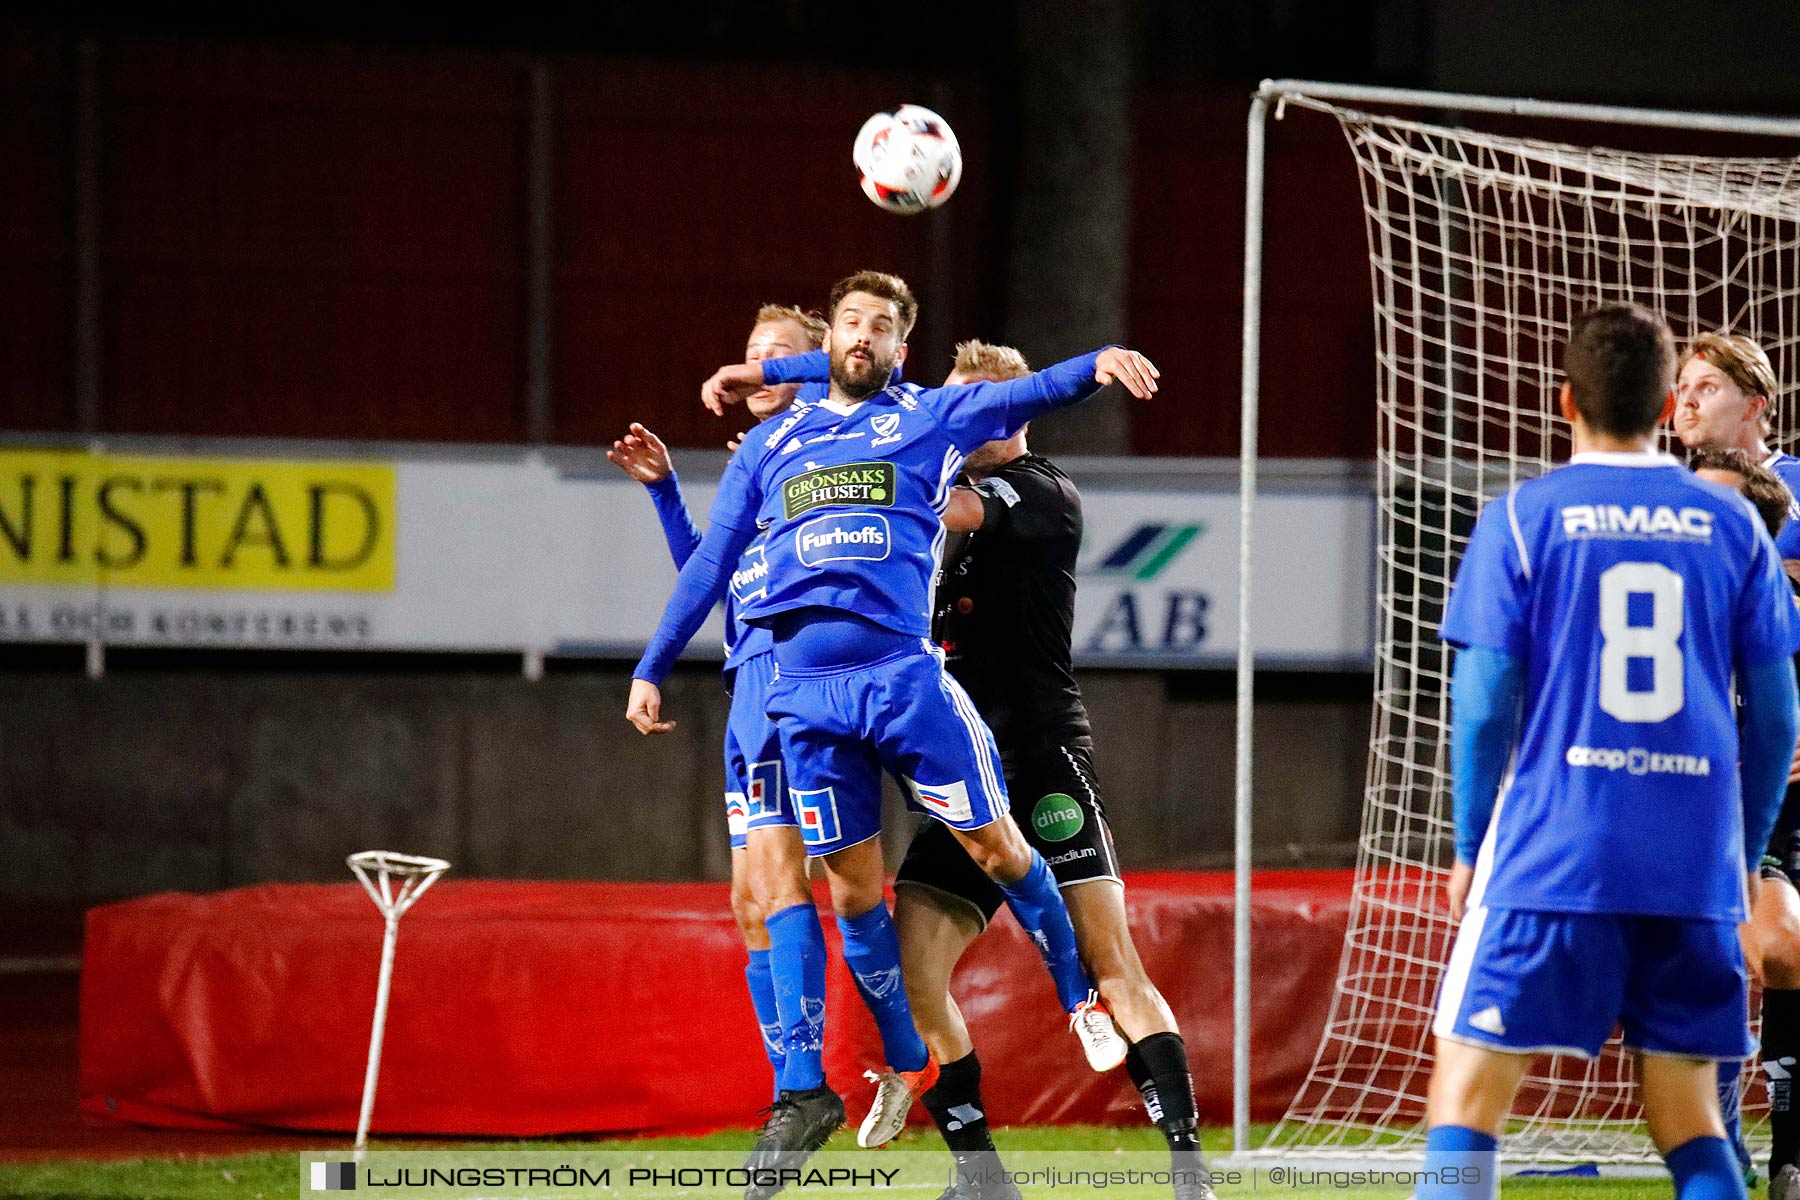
{"points": [[1787, 469], [744, 641], [850, 497], [1632, 591]]}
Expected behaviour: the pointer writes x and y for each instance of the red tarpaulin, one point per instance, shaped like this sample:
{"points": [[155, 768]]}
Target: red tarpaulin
{"points": [[542, 1008]]}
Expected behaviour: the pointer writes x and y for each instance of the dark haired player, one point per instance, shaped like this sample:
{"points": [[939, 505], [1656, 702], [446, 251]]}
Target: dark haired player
{"points": [[848, 494], [1600, 614]]}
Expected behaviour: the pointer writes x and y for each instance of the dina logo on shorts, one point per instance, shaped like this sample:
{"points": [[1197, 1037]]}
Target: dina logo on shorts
{"points": [[855, 485], [1057, 817]]}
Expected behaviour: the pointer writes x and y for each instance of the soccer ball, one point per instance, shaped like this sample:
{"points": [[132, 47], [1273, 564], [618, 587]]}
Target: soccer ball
{"points": [[908, 159]]}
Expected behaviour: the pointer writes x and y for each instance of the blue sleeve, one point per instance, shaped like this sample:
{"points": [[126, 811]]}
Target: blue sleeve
{"points": [[1486, 690], [678, 527], [1766, 749], [973, 413], [731, 526], [812, 367], [812, 370], [1767, 626], [1490, 601]]}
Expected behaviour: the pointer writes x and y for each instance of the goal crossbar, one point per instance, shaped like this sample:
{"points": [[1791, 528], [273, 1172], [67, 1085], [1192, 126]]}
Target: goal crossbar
{"points": [[1327, 96]]}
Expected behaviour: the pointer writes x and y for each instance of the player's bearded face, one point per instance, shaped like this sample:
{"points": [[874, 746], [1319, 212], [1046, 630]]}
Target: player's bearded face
{"points": [[865, 343]]}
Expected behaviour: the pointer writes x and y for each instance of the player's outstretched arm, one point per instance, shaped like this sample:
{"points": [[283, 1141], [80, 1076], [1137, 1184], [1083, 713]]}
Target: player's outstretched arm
{"points": [[642, 455], [1485, 689], [731, 383], [973, 413], [1765, 749]]}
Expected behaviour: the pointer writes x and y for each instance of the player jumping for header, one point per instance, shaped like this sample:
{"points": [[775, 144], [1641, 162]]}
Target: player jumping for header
{"points": [[1600, 614], [850, 492]]}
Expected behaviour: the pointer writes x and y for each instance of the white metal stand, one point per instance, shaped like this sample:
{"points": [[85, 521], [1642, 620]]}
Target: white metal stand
{"points": [[415, 874]]}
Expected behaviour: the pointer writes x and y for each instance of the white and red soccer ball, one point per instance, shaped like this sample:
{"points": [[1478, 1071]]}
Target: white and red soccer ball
{"points": [[908, 159]]}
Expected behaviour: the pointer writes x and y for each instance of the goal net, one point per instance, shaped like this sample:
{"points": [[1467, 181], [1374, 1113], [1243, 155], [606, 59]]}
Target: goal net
{"points": [[1482, 249]]}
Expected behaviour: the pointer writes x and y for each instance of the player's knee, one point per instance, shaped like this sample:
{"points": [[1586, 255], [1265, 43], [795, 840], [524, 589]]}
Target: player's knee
{"points": [[1000, 850], [746, 912]]}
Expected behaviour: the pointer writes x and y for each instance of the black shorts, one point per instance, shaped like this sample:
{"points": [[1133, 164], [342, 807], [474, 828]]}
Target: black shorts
{"points": [[1782, 858], [1055, 799]]}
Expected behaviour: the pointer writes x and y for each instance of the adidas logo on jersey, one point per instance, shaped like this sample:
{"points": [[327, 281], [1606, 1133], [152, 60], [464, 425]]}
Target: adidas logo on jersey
{"points": [[1639, 520], [1488, 1021]]}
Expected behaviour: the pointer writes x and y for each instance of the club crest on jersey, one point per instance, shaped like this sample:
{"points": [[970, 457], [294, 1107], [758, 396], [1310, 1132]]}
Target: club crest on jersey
{"points": [[863, 537], [818, 816], [1637, 520], [950, 801], [854, 485], [886, 427]]}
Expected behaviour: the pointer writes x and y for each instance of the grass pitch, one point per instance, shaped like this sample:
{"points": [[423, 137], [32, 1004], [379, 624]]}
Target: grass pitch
{"points": [[272, 1176]]}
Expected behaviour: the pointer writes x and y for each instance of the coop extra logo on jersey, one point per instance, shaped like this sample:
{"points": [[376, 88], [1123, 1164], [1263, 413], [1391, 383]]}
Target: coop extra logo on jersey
{"points": [[1637, 761], [79, 518], [1639, 520], [845, 536], [1057, 817], [857, 485]]}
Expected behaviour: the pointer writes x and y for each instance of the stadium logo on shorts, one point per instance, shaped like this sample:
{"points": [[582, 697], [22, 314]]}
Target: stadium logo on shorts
{"points": [[1637, 761], [735, 816], [818, 816], [863, 537], [1057, 817], [855, 485], [948, 801], [333, 1176]]}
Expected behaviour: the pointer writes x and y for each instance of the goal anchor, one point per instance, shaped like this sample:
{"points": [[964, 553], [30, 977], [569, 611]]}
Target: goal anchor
{"points": [[416, 875]]}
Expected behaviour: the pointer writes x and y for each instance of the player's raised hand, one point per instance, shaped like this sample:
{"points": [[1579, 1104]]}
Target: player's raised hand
{"points": [[1137, 373], [642, 455], [645, 708], [732, 445], [730, 384]]}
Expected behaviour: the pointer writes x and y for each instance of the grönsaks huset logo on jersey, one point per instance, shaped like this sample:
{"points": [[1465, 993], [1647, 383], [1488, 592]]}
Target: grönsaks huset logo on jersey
{"points": [[853, 485]]}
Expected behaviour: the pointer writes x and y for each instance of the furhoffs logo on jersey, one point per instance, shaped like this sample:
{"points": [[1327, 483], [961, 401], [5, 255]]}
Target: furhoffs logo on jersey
{"points": [[949, 800], [751, 579], [845, 536], [818, 816], [856, 485], [1638, 520]]}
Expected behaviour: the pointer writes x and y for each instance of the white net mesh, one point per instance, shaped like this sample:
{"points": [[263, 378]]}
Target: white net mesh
{"points": [[1482, 249]]}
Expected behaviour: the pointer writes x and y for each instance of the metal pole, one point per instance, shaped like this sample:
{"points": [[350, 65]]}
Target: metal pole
{"points": [[87, 237], [375, 1034], [1602, 113], [1246, 661], [538, 253]]}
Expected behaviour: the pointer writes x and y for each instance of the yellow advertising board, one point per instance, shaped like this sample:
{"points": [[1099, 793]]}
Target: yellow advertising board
{"points": [[123, 521]]}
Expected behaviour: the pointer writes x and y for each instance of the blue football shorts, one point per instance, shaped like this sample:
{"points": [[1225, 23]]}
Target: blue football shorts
{"points": [[756, 794]]}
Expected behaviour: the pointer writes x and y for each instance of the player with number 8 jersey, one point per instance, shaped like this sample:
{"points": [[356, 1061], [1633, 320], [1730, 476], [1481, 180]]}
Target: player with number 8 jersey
{"points": [[1631, 589], [1600, 615]]}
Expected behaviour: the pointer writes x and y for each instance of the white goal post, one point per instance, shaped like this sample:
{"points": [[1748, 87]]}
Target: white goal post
{"points": [[1482, 248]]}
